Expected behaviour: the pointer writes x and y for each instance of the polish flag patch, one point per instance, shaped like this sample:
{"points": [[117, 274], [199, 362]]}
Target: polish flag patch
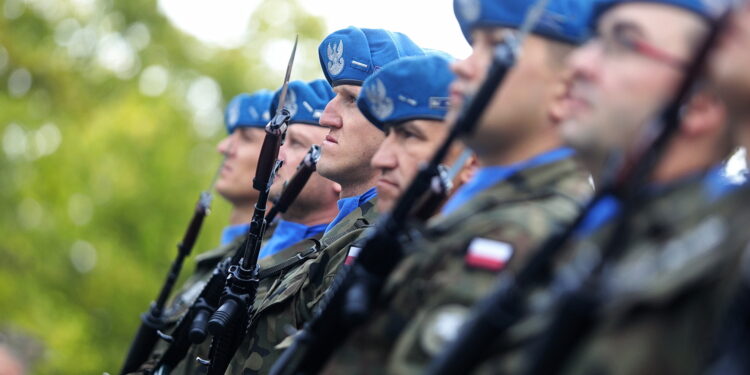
{"points": [[488, 254], [352, 255]]}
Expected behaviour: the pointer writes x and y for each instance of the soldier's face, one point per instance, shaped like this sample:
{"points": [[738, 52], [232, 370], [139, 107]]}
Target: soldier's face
{"points": [[235, 181], [729, 65], [520, 106], [351, 140], [625, 74], [299, 139], [406, 147]]}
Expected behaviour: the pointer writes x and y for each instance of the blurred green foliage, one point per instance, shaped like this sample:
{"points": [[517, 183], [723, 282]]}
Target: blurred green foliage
{"points": [[101, 163]]}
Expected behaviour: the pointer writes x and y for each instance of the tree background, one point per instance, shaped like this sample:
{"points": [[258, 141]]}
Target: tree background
{"points": [[109, 117]]}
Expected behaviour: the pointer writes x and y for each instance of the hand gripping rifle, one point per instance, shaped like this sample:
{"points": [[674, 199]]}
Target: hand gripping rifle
{"points": [[355, 288], [225, 301], [305, 169], [153, 320], [506, 305]]}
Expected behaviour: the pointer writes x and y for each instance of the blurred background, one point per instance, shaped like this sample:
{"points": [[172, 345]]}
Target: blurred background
{"points": [[109, 116]]}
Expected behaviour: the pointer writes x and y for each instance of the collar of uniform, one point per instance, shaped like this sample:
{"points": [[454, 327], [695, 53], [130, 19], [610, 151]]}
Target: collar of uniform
{"points": [[233, 231], [349, 204], [489, 176], [288, 233], [708, 186], [565, 178]]}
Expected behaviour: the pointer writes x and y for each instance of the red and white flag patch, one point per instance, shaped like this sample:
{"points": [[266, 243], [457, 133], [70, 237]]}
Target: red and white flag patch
{"points": [[352, 255], [488, 254]]}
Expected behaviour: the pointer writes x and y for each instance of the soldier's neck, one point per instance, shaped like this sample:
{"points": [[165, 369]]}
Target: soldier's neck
{"points": [[358, 188], [241, 214], [518, 151], [684, 159], [311, 216]]}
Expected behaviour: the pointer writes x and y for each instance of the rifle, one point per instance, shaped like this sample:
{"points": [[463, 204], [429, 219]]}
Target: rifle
{"points": [[304, 170], [224, 303], [347, 302], [153, 320], [505, 305], [228, 324]]}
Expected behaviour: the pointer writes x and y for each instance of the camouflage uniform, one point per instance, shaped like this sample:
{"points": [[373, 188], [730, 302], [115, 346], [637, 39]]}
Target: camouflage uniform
{"points": [[432, 289], [292, 295], [662, 298]]}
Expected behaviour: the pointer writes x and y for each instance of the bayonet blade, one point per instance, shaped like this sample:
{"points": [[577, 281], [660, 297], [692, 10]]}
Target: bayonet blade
{"points": [[285, 86]]}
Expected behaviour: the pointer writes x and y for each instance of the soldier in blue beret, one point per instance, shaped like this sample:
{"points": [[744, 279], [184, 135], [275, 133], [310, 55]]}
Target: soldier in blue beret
{"points": [[245, 117], [408, 99], [657, 304], [347, 58], [315, 206]]}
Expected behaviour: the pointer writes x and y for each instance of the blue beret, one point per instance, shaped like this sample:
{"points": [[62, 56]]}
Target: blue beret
{"points": [[408, 89], [700, 7], [350, 55], [246, 110], [563, 20], [305, 100]]}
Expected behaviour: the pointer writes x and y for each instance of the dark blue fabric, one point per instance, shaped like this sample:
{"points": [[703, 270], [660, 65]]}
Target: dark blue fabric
{"points": [[305, 101], [408, 89], [563, 20], [288, 233], [487, 177], [233, 231], [348, 56], [349, 204], [246, 110]]}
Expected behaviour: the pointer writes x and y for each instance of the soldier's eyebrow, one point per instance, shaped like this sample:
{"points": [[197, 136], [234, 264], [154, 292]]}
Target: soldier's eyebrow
{"points": [[346, 91], [410, 127], [623, 25]]}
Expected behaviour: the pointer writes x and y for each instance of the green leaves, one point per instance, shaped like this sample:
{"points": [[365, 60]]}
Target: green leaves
{"points": [[102, 158]]}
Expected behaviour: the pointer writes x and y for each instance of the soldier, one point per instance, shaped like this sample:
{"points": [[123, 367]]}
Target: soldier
{"points": [[409, 99], [347, 57], [526, 188], [315, 206], [245, 117], [657, 303]]}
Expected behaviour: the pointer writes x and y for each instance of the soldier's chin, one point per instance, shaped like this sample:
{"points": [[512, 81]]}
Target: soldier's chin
{"points": [[384, 204]]}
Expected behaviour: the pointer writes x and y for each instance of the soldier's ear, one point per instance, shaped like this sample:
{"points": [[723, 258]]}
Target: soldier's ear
{"points": [[558, 109], [705, 114]]}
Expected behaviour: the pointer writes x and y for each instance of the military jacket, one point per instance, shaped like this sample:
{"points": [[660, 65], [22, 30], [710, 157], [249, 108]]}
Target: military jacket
{"points": [[292, 295], [457, 262], [660, 302]]}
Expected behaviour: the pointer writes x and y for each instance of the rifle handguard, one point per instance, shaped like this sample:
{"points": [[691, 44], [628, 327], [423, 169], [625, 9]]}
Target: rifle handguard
{"points": [[269, 152]]}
